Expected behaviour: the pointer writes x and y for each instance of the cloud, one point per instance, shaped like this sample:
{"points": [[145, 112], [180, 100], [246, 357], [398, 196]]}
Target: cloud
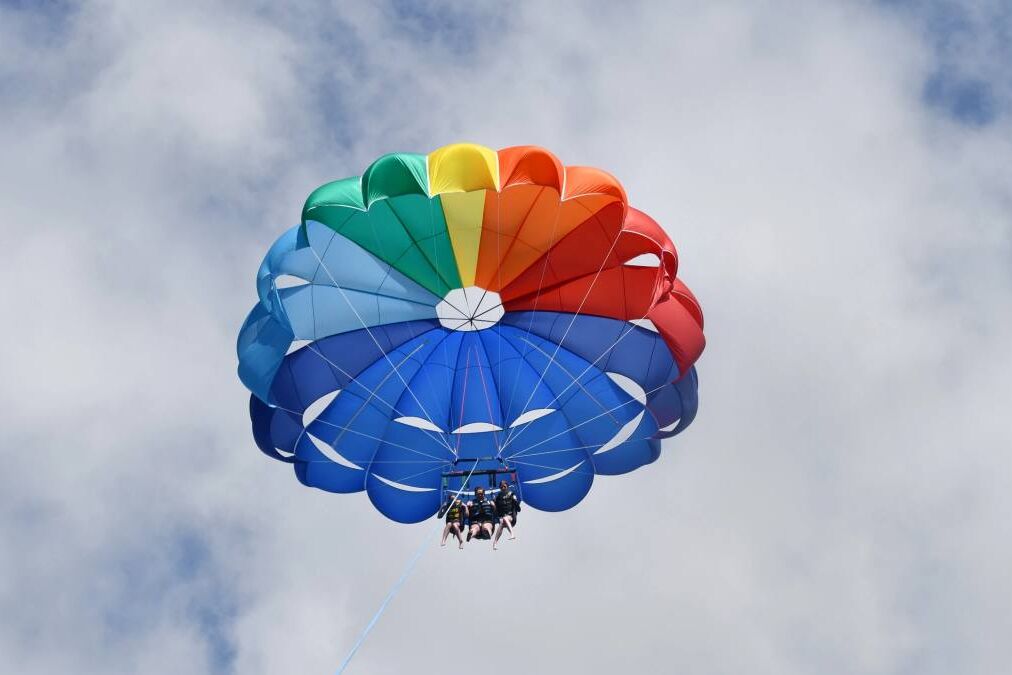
{"points": [[838, 506], [970, 41]]}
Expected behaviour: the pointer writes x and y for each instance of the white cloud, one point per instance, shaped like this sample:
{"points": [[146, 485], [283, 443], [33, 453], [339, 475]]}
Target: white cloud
{"points": [[838, 506]]}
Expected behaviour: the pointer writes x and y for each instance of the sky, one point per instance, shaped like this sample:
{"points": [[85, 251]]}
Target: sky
{"points": [[837, 177]]}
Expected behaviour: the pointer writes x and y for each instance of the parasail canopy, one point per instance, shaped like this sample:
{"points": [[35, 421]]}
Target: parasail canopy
{"points": [[469, 312]]}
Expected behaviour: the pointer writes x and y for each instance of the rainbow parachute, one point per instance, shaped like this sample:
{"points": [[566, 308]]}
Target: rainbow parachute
{"points": [[468, 316]]}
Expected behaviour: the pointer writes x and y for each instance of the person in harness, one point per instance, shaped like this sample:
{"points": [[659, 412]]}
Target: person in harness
{"points": [[481, 513], [507, 506], [454, 511]]}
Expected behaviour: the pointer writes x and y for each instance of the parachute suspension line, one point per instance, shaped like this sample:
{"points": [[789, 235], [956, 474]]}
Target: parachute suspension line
{"points": [[435, 249], [351, 378], [463, 312], [358, 316], [486, 311], [589, 456], [404, 479], [498, 274], [463, 398], [484, 292], [607, 350], [372, 394], [558, 343], [488, 400], [390, 596], [433, 238], [523, 453], [578, 469], [537, 296], [376, 450], [382, 440], [575, 380], [588, 453], [558, 450], [414, 242], [375, 341]]}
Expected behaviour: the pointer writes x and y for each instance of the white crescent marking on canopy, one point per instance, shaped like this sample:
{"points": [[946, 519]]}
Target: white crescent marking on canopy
{"points": [[418, 423], [296, 345], [333, 455], [555, 476], [531, 415], [401, 486], [671, 426], [621, 436], [629, 386], [314, 409], [476, 428], [644, 260], [646, 324], [289, 281]]}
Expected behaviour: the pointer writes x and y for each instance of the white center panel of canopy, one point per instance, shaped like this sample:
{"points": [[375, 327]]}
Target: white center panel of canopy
{"points": [[471, 308]]}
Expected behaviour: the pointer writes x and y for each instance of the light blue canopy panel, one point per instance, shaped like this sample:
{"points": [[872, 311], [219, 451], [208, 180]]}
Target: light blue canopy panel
{"points": [[315, 283]]}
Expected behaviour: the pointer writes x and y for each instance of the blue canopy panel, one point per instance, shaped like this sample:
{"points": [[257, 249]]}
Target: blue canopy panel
{"points": [[343, 440], [329, 364], [275, 431], [622, 347], [263, 341], [392, 409], [474, 386], [605, 428], [675, 404]]}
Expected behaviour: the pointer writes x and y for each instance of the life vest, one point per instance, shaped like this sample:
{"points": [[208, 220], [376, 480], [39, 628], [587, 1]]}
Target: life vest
{"points": [[482, 512], [505, 504], [455, 514]]}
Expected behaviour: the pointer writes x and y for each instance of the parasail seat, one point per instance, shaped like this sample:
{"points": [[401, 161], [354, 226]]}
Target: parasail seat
{"points": [[469, 476]]}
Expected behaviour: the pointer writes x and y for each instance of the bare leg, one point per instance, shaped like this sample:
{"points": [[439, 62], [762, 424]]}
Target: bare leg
{"points": [[498, 533], [446, 533], [508, 522], [458, 535], [488, 528]]}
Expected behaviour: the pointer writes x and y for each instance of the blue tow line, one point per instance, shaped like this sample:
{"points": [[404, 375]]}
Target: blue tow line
{"points": [[390, 596]]}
